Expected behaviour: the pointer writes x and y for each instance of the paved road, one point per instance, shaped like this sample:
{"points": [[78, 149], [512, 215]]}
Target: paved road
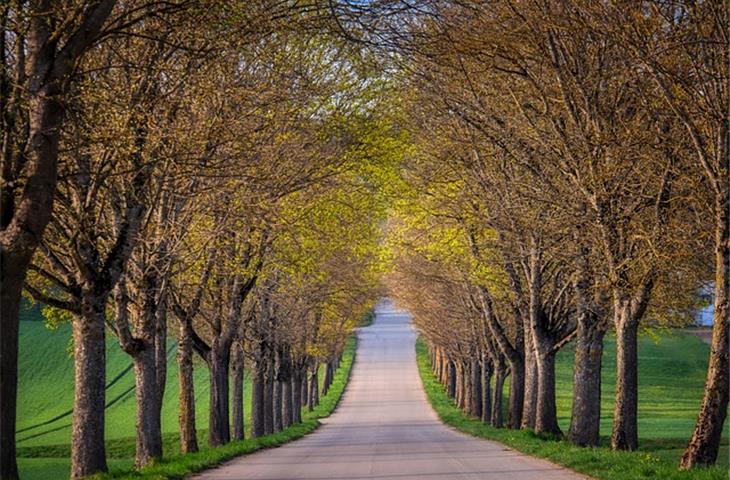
{"points": [[385, 429]]}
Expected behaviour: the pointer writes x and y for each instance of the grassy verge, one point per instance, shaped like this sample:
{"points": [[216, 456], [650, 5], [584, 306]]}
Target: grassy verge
{"points": [[43, 462], [367, 319], [601, 463]]}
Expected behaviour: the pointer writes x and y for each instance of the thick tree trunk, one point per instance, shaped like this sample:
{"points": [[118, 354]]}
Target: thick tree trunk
{"points": [[624, 435], [476, 389], [585, 419], [486, 390], [500, 375], [188, 434], [705, 441], [237, 407], [546, 417], [278, 402], [88, 454], [529, 405], [257, 400], [149, 427], [12, 276], [219, 428], [516, 392], [287, 393], [297, 397]]}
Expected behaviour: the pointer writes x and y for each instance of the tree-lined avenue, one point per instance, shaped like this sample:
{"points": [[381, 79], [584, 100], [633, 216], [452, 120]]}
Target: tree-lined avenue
{"points": [[385, 429]]}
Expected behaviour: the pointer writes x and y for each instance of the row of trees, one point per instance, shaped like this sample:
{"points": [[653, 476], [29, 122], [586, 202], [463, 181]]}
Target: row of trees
{"points": [[205, 168], [572, 177]]}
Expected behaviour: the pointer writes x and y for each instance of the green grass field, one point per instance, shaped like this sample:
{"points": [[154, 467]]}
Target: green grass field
{"points": [[45, 400], [671, 376]]}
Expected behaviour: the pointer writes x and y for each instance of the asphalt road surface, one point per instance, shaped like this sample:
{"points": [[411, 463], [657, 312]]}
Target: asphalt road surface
{"points": [[384, 428]]}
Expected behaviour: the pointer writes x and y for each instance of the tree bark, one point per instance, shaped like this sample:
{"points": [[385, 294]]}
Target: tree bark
{"points": [[287, 394], [314, 388], [529, 406], [487, 371], [149, 428], [269, 399], [705, 442], [88, 454], [277, 404], [585, 419], [297, 396], [451, 379], [546, 417], [188, 434], [500, 375], [12, 276], [257, 400], [516, 392], [161, 351], [237, 400], [219, 428], [476, 389], [624, 435], [305, 387]]}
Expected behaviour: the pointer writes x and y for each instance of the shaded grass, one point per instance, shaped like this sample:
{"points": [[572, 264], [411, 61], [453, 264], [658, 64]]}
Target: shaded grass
{"points": [[601, 463], [367, 319], [46, 392], [176, 465]]}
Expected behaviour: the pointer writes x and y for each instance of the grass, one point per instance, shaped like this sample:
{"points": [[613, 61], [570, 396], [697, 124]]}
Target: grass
{"points": [[367, 319], [46, 398], [669, 386]]}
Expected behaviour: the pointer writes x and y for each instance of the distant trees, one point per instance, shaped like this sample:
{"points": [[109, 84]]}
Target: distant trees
{"points": [[556, 175]]}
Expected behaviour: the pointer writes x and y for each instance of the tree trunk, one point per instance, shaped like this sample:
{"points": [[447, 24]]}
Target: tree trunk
{"points": [[219, 428], [269, 399], [459, 397], [88, 454], [705, 441], [277, 400], [314, 388], [257, 400], [161, 352], [624, 435], [328, 375], [12, 276], [188, 434], [500, 375], [287, 393], [451, 379], [297, 397], [529, 406], [516, 392], [149, 427], [546, 416], [237, 407], [585, 419], [305, 387], [486, 390], [476, 389]]}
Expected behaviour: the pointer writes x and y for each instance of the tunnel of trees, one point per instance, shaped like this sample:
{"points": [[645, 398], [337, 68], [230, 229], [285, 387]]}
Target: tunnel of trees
{"points": [[247, 178]]}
